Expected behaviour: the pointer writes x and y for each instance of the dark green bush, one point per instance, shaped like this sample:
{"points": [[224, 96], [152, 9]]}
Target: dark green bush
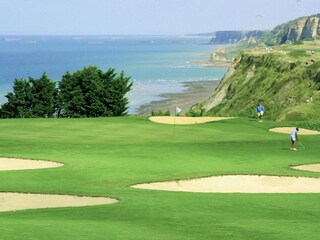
{"points": [[160, 113], [298, 42], [197, 111]]}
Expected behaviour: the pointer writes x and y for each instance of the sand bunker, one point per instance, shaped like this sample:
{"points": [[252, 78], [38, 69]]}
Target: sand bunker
{"points": [[23, 201], [308, 167], [288, 130], [239, 184], [185, 120], [7, 164]]}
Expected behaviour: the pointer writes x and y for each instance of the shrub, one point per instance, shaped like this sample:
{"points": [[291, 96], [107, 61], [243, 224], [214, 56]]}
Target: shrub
{"points": [[298, 42], [197, 111], [160, 113]]}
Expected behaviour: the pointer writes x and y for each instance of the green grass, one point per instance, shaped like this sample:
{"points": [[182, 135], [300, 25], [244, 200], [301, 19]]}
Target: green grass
{"points": [[281, 80], [104, 156], [292, 52]]}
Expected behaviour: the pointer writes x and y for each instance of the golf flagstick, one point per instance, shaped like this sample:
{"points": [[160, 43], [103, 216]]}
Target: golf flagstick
{"points": [[174, 123], [177, 111]]}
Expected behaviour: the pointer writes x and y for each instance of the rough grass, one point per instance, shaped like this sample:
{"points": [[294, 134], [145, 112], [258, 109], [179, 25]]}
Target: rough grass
{"points": [[280, 79], [103, 157]]}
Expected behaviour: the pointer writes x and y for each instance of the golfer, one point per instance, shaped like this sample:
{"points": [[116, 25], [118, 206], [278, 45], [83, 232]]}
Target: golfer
{"points": [[260, 110], [294, 138]]}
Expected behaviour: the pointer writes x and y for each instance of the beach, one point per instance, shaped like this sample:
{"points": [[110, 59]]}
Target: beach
{"points": [[195, 92]]}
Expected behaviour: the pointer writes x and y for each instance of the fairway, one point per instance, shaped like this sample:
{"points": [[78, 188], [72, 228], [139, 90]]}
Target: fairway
{"points": [[103, 157]]}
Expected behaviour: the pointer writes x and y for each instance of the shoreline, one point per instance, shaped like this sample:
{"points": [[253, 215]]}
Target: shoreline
{"points": [[194, 92]]}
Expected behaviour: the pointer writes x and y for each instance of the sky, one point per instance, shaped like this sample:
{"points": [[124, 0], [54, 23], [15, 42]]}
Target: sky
{"points": [[146, 17]]}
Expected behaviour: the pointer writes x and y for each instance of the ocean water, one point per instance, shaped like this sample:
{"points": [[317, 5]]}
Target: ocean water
{"points": [[156, 64]]}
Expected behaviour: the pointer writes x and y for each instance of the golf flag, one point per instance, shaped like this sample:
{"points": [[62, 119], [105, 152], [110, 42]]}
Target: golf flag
{"points": [[178, 110]]}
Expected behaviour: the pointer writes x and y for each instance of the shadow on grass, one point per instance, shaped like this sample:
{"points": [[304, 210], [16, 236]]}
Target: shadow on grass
{"points": [[287, 149]]}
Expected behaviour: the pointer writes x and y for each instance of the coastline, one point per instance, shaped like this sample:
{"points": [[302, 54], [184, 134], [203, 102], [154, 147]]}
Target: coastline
{"points": [[194, 92]]}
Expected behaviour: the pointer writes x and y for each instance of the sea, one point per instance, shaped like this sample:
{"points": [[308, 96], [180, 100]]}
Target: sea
{"points": [[156, 64]]}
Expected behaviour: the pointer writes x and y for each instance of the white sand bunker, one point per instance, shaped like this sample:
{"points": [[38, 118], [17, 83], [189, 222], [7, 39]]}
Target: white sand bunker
{"points": [[308, 167], [239, 184], [185, 120], [7, 164], [23, 201], [288, 130]]}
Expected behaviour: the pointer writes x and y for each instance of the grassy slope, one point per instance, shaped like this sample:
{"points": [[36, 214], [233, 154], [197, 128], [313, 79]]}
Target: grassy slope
{"points": [[280, 79], [289, 31], [104, 156]]}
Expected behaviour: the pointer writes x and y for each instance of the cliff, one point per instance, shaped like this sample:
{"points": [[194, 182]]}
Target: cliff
{"points": [[301, 29], [286, 79], [226, 37]]}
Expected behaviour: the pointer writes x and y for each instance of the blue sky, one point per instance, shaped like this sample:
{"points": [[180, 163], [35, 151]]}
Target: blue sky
{"points": [[146, 17]]}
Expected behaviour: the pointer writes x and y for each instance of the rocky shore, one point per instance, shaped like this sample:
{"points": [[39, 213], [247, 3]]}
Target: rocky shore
{"points": [[195, 92]]}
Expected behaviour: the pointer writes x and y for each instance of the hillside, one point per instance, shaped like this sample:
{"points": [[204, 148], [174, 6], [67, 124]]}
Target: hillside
{"points": [[301, 29], [226, 37], [286, 79]]}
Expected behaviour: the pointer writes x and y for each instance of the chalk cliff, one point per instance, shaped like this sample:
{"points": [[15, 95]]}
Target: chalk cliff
{"points": [[225, 37], [301, 29]]}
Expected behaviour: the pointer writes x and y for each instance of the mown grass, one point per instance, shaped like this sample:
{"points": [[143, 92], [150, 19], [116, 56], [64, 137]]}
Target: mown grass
{"points": [[104, 156]]}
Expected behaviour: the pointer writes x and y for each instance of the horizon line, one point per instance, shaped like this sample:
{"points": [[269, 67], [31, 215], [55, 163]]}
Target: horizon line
{"points": [[130, 35]]}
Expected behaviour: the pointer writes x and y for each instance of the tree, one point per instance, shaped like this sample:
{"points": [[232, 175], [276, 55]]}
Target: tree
{"points": [[116, 88], [90, 92], [44, 93], [19, 101], [30, 98], [70, 98]]}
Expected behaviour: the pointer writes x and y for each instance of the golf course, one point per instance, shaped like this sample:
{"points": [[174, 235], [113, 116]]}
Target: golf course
{"points": [[108, 157]]}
